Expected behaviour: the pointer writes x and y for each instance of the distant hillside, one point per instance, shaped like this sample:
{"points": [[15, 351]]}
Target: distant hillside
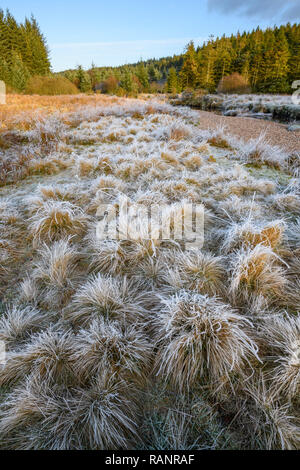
{"points": [[269, 60]]}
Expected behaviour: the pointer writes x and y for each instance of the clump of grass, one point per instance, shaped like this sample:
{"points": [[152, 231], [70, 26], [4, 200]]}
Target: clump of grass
{"points": [[249, 186], [270, 424], [246, 234], [108, 256], [108, 182], [219, 142], [57, 193], [237, 208], [57, 219], [282, 334], [28, 290], [107, 347], [179, 132], [193, 162], [201, 337], [109, 298], [257, 270], [197, 271], [18, 323], [55, 271], [169, 158], [177, 423], [287, 202], [46, 357], [85, 167], [98, 417], [56, 263], [258, 152]]}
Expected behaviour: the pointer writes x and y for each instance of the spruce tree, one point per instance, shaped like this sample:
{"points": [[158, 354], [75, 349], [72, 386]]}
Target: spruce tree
{"points": [[127, 82], [172, 83], [143, 76], [84, 80], [4, 70], [19, 74], [189, 72], [206, 60]]}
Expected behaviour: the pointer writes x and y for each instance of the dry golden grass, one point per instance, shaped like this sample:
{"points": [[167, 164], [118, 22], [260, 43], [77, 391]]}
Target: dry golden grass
{"points": [[201, 338], [136, 339]]}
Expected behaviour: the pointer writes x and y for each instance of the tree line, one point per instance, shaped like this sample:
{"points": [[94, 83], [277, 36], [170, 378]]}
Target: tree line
{"points": [[23, 51], [269, 61]]}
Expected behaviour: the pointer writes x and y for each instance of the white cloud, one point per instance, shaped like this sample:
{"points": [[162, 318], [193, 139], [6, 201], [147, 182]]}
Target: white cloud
{"points": [[289, 10]]}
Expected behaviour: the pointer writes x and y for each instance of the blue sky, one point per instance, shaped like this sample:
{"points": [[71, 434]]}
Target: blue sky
{"points": [[117, 32]]}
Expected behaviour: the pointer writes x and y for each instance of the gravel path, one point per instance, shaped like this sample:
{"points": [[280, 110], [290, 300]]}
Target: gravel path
{"points": [[249, 128]]}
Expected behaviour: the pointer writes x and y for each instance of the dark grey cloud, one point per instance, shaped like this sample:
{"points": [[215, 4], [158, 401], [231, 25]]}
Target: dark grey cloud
{"points": [[288, 10]]}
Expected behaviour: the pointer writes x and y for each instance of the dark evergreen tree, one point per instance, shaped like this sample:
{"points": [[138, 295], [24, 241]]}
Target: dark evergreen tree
{"points": [[190, 71], [84, 80], [23, 51], [18, 74], [172, 83]]}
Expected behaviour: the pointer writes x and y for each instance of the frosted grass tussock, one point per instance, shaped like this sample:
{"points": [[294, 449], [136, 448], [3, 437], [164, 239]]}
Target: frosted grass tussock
{"points": [[199, 272], [287, 202], [282, 334], [56, 193], [28, 291], [109, 298], [236, 208], [57, 219], [174, 131], [248, 234], [98, 417], [18, 323], [294, 234], [46, 358], [250, 185], [47, 130], [259, 151], [109, 182], [107, 256], [54, 273], [56, 264], [201, 337], [271, 424], [108, 347], [257, 270]]}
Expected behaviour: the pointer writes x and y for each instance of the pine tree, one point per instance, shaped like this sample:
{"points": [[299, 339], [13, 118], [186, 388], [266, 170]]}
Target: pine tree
{"points": [[13, 39], [84, 80], [4, 70], [127, 82], [276, 58], [189, 72], [153, 74], [143, 76], [206, 60], [40, 53], [172, 83], [23, 49], [222, 66], [19, 74], [293, 36]]}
